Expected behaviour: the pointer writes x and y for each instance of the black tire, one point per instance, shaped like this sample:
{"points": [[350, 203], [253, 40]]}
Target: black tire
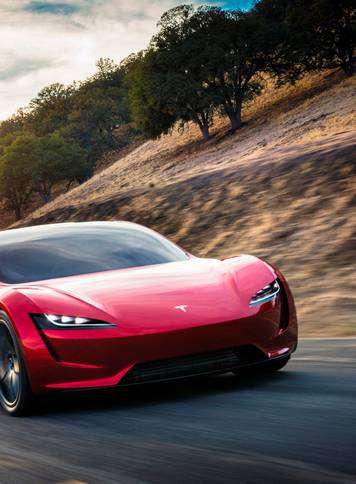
{"points": [[15, 391], [264, 368]]}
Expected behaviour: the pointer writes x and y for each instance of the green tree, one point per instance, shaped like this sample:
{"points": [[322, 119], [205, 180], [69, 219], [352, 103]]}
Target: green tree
{"points": [[7, 140], [287, 64], [100, 106], [180, 49], [14, 124], [203, 59], [324, 32], [148, 109], [168, 85], [56, 160], [234, 49], [50, 109], [16, 165]]}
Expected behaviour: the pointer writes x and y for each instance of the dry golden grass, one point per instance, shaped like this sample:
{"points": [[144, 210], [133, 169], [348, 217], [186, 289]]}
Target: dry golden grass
{"points": [[283, 188]]}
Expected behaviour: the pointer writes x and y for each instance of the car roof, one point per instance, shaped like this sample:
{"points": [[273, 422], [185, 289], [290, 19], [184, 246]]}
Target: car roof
{"points": [[25, 233]]}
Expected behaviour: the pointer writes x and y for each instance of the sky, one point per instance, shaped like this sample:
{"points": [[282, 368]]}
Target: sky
{"points": [[47, 41]]}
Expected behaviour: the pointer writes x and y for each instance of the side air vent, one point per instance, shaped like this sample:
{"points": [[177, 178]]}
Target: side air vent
{"points": [[284, 308]]}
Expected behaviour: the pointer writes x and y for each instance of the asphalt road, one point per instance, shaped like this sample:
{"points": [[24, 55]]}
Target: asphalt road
{"points": [[295, 426]]}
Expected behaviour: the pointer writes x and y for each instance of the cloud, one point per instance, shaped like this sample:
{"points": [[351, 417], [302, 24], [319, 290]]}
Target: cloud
{"points": [[56, 8], [42, 42], [21, 68]]}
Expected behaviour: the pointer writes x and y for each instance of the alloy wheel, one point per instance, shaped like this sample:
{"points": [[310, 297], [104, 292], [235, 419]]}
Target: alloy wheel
{"points": [[9, 368]]}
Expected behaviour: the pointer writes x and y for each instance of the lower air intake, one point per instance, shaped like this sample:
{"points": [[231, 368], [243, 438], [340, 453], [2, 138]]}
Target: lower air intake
{"points": [[184, 366]]}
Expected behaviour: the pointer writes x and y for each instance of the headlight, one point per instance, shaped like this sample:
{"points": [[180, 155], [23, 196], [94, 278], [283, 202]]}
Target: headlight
{"points": [[55, 321], [268, 293]]}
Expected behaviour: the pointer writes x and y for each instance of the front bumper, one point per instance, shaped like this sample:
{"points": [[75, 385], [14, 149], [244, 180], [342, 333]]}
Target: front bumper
{"points": [[69, 360]]}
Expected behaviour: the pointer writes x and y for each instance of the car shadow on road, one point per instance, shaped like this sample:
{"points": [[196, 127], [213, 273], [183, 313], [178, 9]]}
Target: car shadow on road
{"points": [[160, 393]]}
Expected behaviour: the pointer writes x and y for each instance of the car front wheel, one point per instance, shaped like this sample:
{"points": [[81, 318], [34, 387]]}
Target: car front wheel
{"points": [[15, 392]]}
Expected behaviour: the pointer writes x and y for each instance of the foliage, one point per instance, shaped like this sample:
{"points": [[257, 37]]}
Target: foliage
{"points": [[49, 111], [168, 85], [57, 160], [14, 124], [16, 167], [201, 60], [235, 47], [325, 32], [148, 109], [318, 33], [31, 164], [100, 106]]}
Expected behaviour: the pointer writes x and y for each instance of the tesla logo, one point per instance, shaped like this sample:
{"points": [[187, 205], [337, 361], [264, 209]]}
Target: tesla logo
{"points": [[183, 308]]}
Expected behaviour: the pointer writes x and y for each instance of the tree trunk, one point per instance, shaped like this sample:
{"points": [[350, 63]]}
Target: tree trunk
{"points": [[47, 197], [202, 120], [18, 212], [351, 64], [350, 43], [235, 117], [348, 68], [345, 55], [204, 128], [90, 169], [69, 184], [45, 194]]}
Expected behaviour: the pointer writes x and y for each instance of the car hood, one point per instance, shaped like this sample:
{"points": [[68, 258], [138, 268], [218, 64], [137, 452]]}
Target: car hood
{"points": [[180, 294]]}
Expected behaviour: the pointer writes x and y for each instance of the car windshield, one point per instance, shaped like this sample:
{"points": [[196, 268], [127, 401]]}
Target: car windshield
{"points": [[40, 253]]}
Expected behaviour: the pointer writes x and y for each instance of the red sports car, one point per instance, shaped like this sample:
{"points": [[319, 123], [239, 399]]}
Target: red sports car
{"points": [[107, 304]]}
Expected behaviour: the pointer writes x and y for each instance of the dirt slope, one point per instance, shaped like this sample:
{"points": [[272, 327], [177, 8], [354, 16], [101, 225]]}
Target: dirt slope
{"points": [[283, 188]]}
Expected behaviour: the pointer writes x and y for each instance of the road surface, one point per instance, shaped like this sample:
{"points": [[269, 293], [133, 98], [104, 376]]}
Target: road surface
{"points": [[295, 426]]}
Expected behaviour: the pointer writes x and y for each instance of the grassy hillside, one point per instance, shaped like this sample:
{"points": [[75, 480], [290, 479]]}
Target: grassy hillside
{"points": [[283, 187]]}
